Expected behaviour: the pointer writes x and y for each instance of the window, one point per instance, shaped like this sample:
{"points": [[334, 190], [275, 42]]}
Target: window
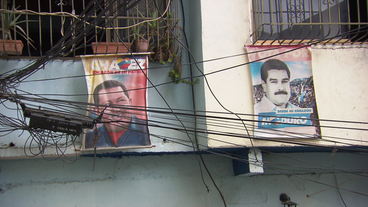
{"points": [[52, 22], [296, 21]]}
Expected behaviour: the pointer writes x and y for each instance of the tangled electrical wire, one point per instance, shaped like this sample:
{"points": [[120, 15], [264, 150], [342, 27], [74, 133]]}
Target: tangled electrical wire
{"points": [[189, 125]]}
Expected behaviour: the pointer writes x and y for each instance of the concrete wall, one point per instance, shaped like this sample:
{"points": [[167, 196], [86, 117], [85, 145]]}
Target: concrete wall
{"points": [[226, 28], [175, 180]]}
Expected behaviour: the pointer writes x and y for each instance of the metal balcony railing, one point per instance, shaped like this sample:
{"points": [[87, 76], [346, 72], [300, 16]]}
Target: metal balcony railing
{"points": [[69, 27], [310, 21]]}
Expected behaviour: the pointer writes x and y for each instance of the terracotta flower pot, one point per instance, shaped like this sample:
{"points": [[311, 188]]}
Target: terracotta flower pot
{"points": [[11, 47], [110, 47], [141, 45]]}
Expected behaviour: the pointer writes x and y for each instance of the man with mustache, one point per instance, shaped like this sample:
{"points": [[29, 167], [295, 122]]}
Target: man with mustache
{"points": [[275, 76], [120, 127]]}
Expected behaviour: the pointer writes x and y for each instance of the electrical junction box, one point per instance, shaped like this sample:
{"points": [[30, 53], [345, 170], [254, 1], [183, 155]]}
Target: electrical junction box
{"points": [[249, 162], [55, 124]]}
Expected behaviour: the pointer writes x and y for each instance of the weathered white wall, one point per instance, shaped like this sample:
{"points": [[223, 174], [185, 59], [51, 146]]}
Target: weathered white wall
{"points": [[174, 180], [226, 28], [340, 78], [339, 74]]}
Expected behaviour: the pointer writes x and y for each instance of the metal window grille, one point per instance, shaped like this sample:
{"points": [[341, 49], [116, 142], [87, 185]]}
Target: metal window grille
{"points": [[310, 21], [49, 25]]}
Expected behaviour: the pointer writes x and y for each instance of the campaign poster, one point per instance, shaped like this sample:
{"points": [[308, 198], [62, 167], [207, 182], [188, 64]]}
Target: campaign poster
{"points": [[117, 101], [284, 98]]}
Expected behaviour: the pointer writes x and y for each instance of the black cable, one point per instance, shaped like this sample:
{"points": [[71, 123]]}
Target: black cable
{"points": [[253, 115], [206, 116], [198, 150], [220, 117], [338, 190]]}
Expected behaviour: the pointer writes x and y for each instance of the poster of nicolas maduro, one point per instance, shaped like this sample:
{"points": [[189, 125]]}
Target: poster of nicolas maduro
{"points": [[284, 98]]}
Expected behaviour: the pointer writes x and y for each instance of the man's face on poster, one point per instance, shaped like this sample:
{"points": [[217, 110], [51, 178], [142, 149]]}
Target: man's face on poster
{"points": [[116, 114], [277, 87]]}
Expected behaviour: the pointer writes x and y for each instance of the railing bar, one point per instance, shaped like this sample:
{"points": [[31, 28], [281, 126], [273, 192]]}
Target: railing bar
{"points": [[39, 25], [278, 19], [349, 20], [289, 18], [310, 20], [107, 32], [271, 19], [73, 28], [287, 2], [358, 23], [128, 23], [277, 11], [329, 20], [51, 36], [295, 20], [3, 6], [282, 17], [358, 11], [310, 5], [339, 18], [63, 20], [260, 21], [302, 16], [320, 31], [15, 34], [254, 20], [84, 29], [263, 18], [157, 28], [292, 22], [116, 20], [260, 16], [366, 3], [362, 37], [96, 38], [260, 24], [281, 26], [148, 28], [108, 39]]}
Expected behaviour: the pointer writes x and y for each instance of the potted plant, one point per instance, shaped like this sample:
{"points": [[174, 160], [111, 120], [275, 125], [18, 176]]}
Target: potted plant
{"points": [[163, 46], [140, 38], [10, 24]]}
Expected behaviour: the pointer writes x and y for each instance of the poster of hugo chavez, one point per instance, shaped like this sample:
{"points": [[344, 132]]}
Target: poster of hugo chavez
{"points": [[284, 98], [117, 88]]}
